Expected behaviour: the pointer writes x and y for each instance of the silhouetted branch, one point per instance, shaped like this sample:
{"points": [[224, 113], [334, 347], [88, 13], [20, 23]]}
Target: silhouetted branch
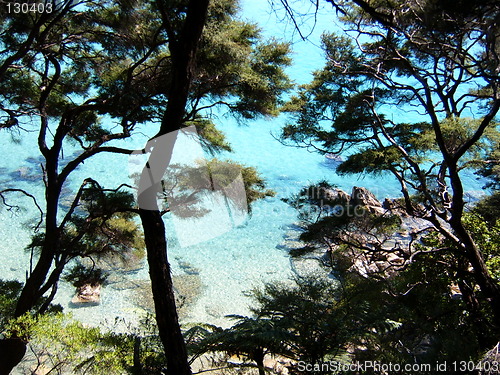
{"points": [[11, 207]]}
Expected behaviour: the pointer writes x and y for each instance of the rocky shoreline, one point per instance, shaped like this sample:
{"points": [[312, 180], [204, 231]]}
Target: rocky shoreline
{"points": [[393, 253]]}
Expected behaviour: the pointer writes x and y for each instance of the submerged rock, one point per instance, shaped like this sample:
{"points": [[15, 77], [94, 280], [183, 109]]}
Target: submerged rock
{"points": [[187, 267], [335, 158], [187, 289]]}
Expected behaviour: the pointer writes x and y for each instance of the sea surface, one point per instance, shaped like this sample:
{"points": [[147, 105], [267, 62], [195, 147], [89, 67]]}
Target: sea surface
{"points": [[229, 265]]}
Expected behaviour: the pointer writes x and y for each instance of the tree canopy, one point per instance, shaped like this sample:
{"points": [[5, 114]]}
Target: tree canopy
{"points": [[412, 89], [89, 73], [408, 88]]}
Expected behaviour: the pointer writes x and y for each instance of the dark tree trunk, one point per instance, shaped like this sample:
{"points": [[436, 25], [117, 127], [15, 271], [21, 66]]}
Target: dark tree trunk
{"points": [[31, 292], [488, 285], [258, 357], [163, 293], [137, 369], [183, 47], [11, 353]]}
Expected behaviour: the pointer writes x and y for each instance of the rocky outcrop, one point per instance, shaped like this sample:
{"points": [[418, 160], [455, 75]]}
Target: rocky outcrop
{"points": [[360, 196], [87, 294], [490, 362], [363, 197], [338, 195], [390, 251]]}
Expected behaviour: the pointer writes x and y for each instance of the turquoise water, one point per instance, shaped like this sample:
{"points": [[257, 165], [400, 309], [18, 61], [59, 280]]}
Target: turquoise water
{"points": [[232, 263]]}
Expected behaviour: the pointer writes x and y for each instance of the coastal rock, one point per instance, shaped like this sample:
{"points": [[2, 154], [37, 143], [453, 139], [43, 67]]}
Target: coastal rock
{"points": [[388, 204], [490, 360], [335, 158], [279, 364], [397, 207], [390, 251], [338, 195], [363, 197], [310, 266], [88, 295]]}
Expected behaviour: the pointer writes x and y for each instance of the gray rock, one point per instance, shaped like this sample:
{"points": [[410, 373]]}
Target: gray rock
{"points": [[363, 197], [338, 195]]}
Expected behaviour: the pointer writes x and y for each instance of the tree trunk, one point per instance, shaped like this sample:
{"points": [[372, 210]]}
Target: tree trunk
{"points": [[163, 293], [31, 290], [137, 369], [183, 49], [258, 357], [12, 351], [488, 285]]}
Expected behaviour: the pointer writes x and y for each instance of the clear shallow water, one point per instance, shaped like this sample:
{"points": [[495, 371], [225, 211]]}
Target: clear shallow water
{"points": [[238, 260]]}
